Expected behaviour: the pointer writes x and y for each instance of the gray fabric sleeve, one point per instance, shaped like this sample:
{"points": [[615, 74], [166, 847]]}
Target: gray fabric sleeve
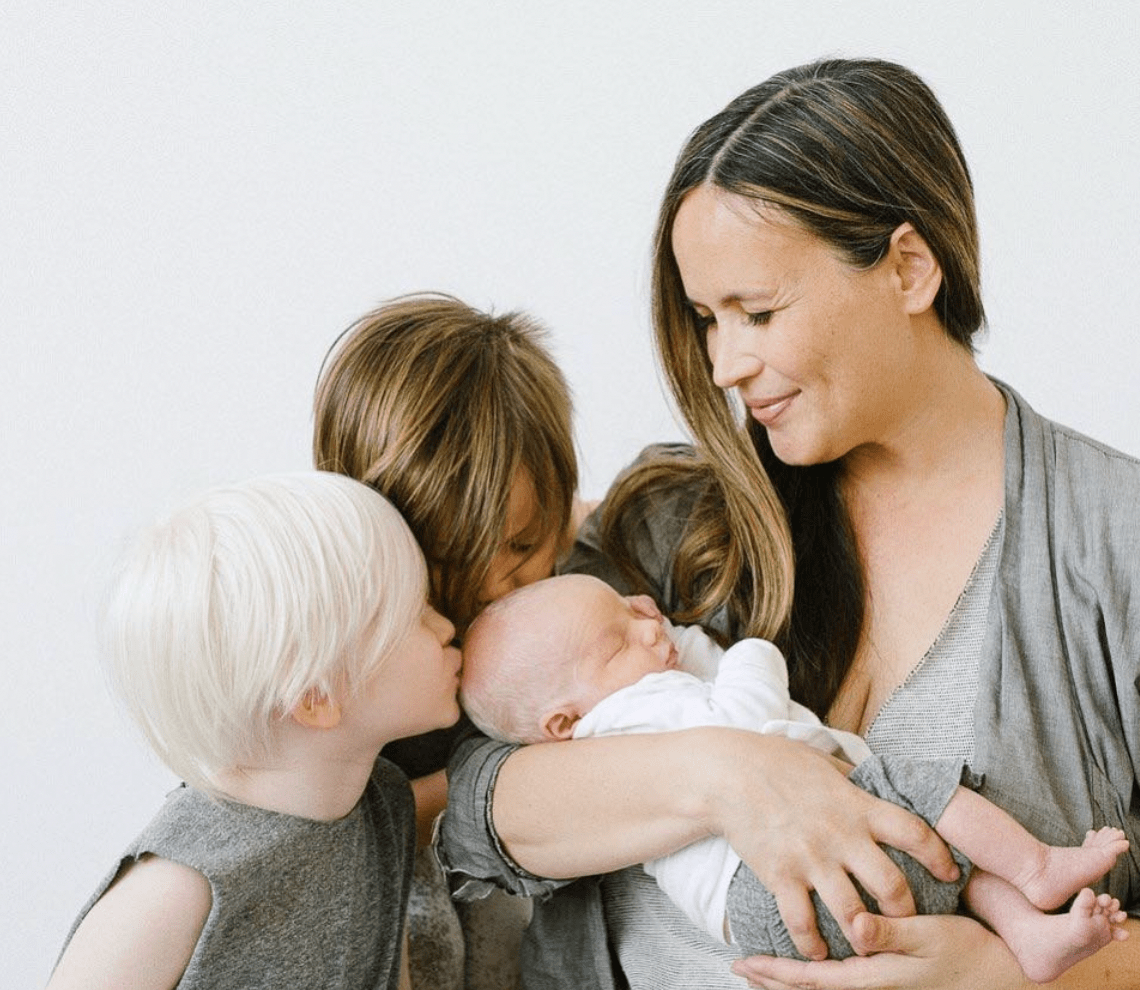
{"points": [[1058, 713], [466, 845]]}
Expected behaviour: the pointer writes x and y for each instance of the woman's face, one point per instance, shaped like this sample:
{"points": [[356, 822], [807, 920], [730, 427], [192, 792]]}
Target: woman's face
{"points": [[525, 555], [818, 351]]}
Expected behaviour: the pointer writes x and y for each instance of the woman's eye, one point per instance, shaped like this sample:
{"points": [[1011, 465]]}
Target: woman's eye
{"points": [[703, 321], [759, 319], [521, 549]]}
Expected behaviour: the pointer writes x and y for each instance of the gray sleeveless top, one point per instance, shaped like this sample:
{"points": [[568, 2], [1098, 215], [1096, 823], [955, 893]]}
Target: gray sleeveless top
{"points": [[929, 716], [296, 902]]}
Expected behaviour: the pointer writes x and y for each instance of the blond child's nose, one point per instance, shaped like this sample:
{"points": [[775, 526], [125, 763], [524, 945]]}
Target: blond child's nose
{"points": [[441, 625]]}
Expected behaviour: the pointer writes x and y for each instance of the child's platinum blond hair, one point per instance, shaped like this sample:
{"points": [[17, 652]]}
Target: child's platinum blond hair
{"points": [[223, 615]]}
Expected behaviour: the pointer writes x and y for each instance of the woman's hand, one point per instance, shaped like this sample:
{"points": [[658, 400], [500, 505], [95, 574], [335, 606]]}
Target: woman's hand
{"points": [[932, 952], [939, 952], [793, 817]]}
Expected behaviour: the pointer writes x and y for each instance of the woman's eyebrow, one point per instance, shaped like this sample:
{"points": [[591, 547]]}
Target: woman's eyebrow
{"points": [[750, 295]]}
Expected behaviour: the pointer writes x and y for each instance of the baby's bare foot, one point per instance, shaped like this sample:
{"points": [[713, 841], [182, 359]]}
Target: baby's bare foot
{"points": [[1063, 870], [1058, 941]]}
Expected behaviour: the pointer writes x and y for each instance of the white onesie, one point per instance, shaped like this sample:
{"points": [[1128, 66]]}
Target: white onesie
{"points": [[744, 687]]}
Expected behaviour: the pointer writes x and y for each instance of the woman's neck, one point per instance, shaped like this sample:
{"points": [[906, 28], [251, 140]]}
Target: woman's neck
{"points": [[948, 432], [921, 507]]}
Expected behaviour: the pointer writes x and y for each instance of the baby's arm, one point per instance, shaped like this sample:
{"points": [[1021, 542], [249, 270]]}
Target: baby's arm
{"points": [[750, 689], [752, 683], [141, 933]]}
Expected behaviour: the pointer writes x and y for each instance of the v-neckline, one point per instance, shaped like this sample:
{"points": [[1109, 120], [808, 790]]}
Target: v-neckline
{"points": [[932, 652]]}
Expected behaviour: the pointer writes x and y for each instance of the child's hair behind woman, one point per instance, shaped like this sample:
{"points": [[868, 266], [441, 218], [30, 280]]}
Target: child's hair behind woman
{"points": [[222, 616]]}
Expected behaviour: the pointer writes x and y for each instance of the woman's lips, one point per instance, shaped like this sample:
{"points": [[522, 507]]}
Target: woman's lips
{"points": [[767, 411]]}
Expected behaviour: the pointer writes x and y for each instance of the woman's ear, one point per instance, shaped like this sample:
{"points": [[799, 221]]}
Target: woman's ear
{"points": [[920, 274], [558, 725], [317, 710]]}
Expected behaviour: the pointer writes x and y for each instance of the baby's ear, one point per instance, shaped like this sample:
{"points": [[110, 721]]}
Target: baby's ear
{"points": [[558, 725], [317, 710]]}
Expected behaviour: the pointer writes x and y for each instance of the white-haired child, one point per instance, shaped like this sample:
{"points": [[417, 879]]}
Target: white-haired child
{"points": [[569, 658], [269, 638]]}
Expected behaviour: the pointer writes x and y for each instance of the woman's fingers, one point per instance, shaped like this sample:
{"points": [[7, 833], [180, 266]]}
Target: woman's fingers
{"points": [[842, 900], [796, 908], [791, 974], [871, 933], [894, 826]]}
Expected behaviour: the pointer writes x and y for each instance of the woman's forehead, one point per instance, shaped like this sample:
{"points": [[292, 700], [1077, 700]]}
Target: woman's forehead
{"points": [[727, 250]]}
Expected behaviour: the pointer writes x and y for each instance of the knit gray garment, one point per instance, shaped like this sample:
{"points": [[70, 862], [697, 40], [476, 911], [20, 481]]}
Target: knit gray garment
{"points": [[930, 716], [924, 787], [296, 902]]}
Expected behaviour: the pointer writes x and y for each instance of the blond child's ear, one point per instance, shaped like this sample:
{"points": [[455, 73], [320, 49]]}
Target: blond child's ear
{"points": [[558, 725], [317, 710]]}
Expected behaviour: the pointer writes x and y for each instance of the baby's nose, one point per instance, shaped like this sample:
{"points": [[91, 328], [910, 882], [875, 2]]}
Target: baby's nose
{"points": [[651, 631]]}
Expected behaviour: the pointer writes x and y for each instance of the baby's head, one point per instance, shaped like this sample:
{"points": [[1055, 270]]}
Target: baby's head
{"points": [[537, 660], [227, 614]]}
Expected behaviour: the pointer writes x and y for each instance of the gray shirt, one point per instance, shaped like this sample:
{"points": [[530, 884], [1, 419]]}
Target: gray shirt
{"points": [[1057, 717], [296, 902]]}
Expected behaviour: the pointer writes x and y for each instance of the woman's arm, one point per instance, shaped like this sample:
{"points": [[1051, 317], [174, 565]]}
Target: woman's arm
{"points": [[141, 933], [595, 805], [938, 952]]}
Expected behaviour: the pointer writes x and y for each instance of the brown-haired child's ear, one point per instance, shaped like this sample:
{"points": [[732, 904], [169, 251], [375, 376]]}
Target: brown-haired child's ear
{"points": [[317, 710], [558, 725]]}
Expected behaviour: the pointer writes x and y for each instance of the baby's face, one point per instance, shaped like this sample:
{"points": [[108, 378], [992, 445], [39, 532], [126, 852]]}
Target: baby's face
{"points": [[620, 640]]}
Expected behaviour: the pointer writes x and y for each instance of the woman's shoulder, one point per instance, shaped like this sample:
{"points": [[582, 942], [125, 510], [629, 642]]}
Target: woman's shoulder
{"points": [[1082, 466], [1075, 494]]}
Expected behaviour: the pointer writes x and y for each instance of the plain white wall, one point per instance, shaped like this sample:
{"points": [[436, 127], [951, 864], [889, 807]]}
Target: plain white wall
{"points": [[196, 197]]}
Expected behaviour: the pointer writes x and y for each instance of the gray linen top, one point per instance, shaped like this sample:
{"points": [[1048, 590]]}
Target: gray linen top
{"points": [[929, 716], [1057, 717], [296, 902]]}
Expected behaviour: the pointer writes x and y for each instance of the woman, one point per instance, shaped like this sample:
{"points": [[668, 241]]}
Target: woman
{"points": [[962, 566], [460, 419]]}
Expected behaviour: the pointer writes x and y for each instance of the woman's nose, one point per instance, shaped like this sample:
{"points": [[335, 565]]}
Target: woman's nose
{"points": [[502, 581], [732, 352]]}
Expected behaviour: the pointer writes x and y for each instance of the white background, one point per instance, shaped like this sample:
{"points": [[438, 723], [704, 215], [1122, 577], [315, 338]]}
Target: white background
{"points": [[196, 197]]}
